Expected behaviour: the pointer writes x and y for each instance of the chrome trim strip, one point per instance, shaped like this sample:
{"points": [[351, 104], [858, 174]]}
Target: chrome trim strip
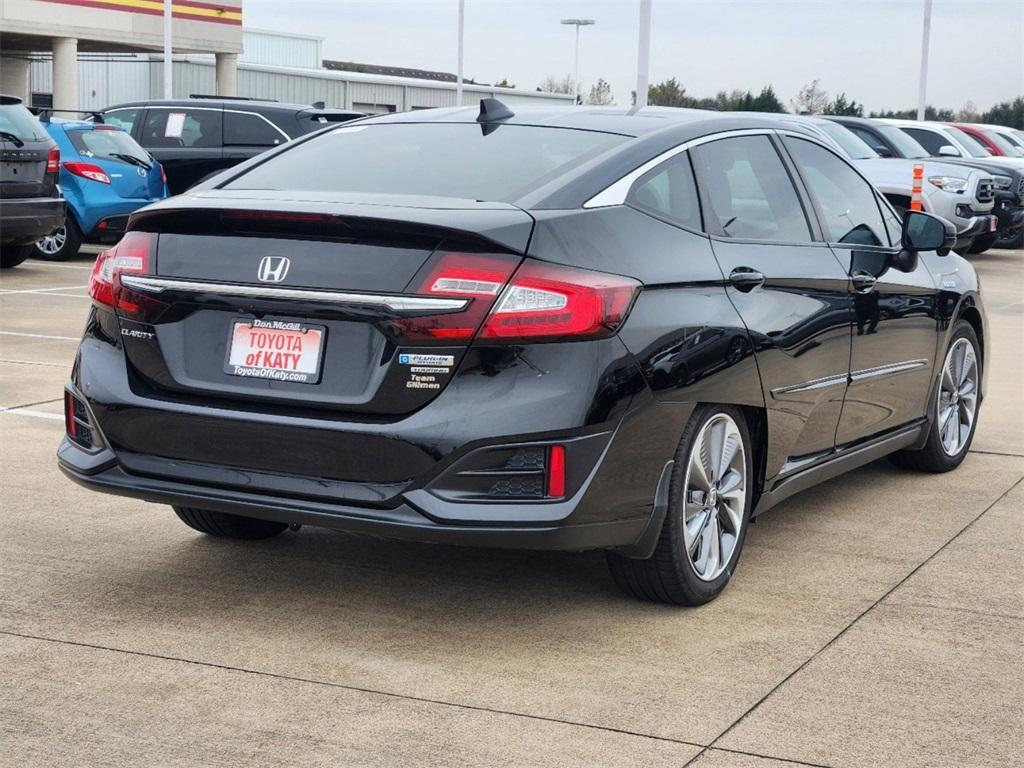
{"points": [[616, 193], [857, 376], [813, 384], [397, 304], [887, 370]]}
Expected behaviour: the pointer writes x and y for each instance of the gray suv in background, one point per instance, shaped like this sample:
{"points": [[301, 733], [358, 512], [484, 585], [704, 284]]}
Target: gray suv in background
{"points": [[31, 204]]}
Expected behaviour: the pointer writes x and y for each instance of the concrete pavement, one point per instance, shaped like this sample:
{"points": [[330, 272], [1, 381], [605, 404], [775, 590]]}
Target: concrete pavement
{"points": [[875, 620]]}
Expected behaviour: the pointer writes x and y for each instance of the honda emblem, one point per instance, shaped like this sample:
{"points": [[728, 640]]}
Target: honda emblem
{"points": [[273, 269]]}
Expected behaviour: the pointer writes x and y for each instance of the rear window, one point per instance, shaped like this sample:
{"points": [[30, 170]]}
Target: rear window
{"points": [[18, 121], [436, 159], [108, 145]]}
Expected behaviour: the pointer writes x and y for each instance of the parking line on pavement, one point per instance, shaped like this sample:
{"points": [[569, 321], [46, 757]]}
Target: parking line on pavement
{"points": [[39, 336], [44, 290], [20, 410]]}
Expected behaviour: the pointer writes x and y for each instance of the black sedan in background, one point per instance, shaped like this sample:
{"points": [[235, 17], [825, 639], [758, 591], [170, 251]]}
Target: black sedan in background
{"points": [[558, 329], [198, 137]]}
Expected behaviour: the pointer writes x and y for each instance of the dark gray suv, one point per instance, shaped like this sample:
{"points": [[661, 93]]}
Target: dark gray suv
{"points": [[31, 204]]}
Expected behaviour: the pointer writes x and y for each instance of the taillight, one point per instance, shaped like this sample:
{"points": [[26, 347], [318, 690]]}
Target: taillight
{"points": [[53, 160], [476, 278], [87, 171], [132, 255], [552, 302]]}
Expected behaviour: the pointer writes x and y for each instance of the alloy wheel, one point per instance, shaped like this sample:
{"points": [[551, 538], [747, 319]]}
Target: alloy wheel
{"points": [[714, 494], [52, 244], [958, 396]]}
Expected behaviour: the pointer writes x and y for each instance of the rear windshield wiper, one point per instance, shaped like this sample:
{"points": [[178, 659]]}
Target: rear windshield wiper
{"points": [[132, 159], [13, 138]]}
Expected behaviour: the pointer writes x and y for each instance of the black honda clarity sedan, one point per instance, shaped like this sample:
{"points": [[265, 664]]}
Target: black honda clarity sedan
{"points": [[628, 330]]}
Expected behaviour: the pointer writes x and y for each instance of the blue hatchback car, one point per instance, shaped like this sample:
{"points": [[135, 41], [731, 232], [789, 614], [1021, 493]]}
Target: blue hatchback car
{"points": [[105, 175]]}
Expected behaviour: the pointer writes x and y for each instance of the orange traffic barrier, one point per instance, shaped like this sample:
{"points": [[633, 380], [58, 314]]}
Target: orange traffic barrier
{"points": [[915, 190]]}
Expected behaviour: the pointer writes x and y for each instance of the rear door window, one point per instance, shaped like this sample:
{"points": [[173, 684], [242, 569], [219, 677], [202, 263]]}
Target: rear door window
{"points": [[750, 192], [847, 202], [669, 191], [122, 118], [242, 128], [184, 127]]}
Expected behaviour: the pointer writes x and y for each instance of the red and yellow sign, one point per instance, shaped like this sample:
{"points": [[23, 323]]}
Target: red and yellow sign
{"points": [[180, 9]]}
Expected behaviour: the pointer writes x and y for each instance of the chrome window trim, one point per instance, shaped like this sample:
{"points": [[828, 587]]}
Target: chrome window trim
{"points": [[396, 304], [617, 192]]}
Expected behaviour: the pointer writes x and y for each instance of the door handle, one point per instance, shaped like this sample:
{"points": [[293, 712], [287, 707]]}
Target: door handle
{"points": [[746, 279], [863, 282]]}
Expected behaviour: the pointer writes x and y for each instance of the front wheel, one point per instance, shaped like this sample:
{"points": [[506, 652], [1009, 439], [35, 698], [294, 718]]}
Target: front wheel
{"points": [[227, 526], [955, 408], [706, 523]]}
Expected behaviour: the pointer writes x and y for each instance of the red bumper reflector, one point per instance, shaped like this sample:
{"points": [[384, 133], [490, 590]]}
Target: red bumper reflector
{"points": [[556, 471]]}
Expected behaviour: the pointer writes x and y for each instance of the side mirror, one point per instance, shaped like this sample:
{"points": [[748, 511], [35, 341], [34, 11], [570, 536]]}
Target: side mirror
{"points": [[924, 232], [948, 150]]}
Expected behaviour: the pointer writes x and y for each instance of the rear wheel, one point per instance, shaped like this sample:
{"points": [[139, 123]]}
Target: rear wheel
{"points": [[62, 245], [706, 523], [13, 255], [955, 409], [228, 526]]}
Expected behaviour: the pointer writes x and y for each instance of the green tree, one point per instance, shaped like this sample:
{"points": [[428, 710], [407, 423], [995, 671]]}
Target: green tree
{"points": [[1008, 113], [840, 106], [767, 101], [504, 83], [930, 113], [668, 94]]}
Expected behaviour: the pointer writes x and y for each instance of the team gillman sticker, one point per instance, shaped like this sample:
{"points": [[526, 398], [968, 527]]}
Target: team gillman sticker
{"points": [[424, 369]]}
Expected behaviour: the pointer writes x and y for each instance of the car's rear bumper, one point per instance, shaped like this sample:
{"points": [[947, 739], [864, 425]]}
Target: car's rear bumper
{"points": [[406, 521], [26, 220], [425, 476]]}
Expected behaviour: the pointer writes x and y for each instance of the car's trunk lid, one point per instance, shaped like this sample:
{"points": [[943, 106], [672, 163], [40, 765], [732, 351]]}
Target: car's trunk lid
{"points": [[338, 282]]}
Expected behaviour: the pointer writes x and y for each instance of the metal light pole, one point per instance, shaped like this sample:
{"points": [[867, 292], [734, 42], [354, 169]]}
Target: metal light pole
{"points": [[643, 54], [168, 51], [458, 77], [922, 85], [576, 67]]}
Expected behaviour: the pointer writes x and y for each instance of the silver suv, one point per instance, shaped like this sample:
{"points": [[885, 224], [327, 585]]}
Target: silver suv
{"points": [[963, 196]]}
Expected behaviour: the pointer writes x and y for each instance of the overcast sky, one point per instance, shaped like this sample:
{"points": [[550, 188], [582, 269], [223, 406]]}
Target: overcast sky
{"points": [[869, 49]]}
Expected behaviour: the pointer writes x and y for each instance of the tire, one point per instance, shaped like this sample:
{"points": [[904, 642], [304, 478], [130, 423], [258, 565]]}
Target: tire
{"points": [[982, 244], [13, 255], [937, 456], [227, 526], [1012, 242], [62, 245], [672, 574]]}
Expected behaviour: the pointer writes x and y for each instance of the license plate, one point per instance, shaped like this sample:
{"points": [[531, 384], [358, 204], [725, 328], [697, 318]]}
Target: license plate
{"points": [[276, 350]]}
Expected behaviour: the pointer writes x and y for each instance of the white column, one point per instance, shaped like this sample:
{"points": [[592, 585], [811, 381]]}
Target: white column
{"points": [[922, 84], [458, 75], [65, 73], [227, 74], [14, 78], [643, 53], [168, 50]]}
